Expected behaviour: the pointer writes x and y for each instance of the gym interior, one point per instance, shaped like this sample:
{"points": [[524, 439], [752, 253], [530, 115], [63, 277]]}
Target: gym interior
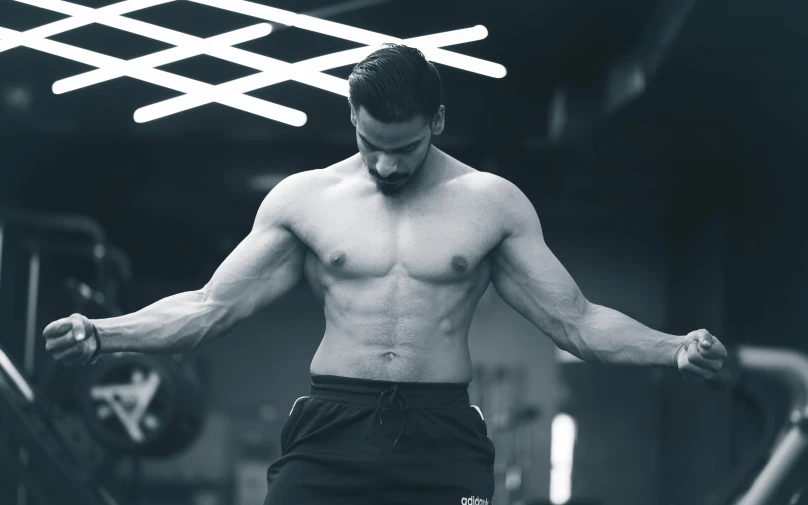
{"points": [[661, 143]]}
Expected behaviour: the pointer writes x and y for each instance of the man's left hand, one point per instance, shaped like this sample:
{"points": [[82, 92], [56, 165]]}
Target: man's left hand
{"points": [[701, 355]]}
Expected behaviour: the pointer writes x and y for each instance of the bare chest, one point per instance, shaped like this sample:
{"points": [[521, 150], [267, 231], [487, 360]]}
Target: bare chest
{"points": [[441, 238]]}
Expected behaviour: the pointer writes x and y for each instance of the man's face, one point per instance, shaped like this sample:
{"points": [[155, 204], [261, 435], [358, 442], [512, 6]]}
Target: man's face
{"points": [[394, 152]]}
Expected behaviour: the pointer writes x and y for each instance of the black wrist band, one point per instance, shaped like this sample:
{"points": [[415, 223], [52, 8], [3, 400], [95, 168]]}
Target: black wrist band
{"points": [[97, 354]]}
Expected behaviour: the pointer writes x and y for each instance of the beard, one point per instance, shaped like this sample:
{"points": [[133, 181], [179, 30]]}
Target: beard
{"points": [[392, 190], [386, 188]]}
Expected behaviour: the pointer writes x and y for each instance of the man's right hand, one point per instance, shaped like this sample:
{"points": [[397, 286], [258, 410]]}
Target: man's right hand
{"points": [[71, 340]]}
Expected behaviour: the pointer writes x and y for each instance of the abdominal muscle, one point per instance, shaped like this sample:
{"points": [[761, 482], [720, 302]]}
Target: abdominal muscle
{"points": [[397, 330]]}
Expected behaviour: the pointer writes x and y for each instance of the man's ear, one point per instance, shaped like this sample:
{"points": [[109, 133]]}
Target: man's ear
{"points": [[438, 121], [353, 116]]}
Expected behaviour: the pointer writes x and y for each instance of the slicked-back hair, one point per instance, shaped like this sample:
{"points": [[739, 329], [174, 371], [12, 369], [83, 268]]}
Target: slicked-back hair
{"points": [[395, 83]]}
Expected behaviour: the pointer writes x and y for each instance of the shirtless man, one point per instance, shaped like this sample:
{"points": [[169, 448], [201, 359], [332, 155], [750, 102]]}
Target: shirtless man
{"points": [[398, 243]]}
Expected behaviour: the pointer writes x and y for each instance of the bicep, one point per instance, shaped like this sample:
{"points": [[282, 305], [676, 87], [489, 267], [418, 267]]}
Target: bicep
{"points": [[263, 267], [530, 278]]}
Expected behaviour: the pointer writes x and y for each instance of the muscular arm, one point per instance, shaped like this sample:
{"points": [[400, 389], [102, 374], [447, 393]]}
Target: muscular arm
{"points": [[264, 266], [529, 277]]}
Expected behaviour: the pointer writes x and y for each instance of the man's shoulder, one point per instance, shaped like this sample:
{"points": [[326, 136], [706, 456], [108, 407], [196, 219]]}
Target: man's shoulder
{"points": [[289, 189], [289, 199], [486, 181], [306, 184], [476, 180], [502, 199], [492, 187], [309, 182]]}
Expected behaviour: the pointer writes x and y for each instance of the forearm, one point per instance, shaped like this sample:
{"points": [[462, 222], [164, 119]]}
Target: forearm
{"points": [[174, 324], [605, 335]]}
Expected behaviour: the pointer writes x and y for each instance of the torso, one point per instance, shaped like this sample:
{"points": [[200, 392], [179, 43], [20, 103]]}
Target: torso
{"points": [[399, 280]]}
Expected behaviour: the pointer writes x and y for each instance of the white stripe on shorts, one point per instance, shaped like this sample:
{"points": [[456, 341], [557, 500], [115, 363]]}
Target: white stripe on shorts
{"points": [[293, 405]]}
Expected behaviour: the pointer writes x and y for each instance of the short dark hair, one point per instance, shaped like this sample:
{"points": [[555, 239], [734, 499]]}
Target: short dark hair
{"points": [[395, 83]]}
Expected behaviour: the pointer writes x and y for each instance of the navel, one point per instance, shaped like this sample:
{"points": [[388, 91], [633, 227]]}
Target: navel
{"points": [[445, 326], [460, 263]]}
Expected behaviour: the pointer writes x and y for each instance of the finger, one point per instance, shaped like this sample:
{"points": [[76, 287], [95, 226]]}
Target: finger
{"points": [[705, 346], [78, 328], [689, 372], [60, 343], [717, 350], [694, 357], [700, 372], [57, 328], [703, 337], [706, 373], [715, 364]]}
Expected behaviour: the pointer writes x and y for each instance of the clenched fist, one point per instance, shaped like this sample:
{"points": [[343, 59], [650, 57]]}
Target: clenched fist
{"points": [[701, 355], [72, 341]]}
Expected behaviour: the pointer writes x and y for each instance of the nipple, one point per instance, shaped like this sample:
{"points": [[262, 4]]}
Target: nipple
{"points": [[338, 258], [460, 263]]}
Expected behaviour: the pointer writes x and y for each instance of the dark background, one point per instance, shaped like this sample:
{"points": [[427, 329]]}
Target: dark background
{"points": [[684, 209]]}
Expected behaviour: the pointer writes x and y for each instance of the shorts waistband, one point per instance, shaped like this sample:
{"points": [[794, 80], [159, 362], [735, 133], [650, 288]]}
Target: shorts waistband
{"points": [[418, 395]]}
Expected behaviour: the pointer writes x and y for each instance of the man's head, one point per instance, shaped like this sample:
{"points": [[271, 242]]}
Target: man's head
{"points": [[395, 96]]}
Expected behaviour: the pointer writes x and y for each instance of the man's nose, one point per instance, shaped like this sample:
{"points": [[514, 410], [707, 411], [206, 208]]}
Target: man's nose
{"points": [[386, 166]]}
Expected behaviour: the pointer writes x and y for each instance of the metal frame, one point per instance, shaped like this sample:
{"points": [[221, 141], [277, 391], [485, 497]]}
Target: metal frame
{"points": [[791, 367], [2, 230], [41, 440], [31, 312], [46, 222]]}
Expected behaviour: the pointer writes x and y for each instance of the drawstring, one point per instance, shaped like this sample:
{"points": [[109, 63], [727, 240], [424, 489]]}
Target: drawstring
{"points": [[395, 401]]}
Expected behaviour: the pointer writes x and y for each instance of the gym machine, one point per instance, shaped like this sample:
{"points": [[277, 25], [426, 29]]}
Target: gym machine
{"points": [[60, 432], [775, 470]]}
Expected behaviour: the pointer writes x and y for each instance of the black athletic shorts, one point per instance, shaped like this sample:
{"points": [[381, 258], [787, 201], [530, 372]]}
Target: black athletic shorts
{"points": [[365, 442]]}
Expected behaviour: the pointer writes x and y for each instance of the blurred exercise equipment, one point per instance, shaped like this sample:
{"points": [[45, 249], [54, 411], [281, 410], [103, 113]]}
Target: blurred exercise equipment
{"points": [[28, 226], [134, 403], [36, 451], [40, 454], [774, 470], [782, 478], [499, 392], [64, 426]]}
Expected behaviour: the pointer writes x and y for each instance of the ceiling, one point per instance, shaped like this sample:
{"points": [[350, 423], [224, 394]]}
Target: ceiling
{"points": [[536, 41]]}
